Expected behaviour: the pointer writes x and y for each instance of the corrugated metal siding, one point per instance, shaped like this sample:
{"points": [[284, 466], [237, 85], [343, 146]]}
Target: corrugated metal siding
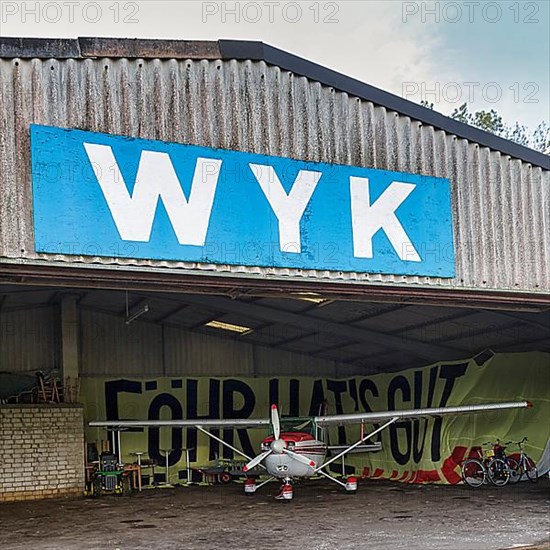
{"points": [[109, 347], [27, 341], [501, 206], [276, 362], [200, 355]]}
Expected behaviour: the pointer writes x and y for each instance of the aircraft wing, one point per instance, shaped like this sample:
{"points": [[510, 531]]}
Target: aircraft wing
{"points": [[374, 417], [322, 421], [203, 423]]}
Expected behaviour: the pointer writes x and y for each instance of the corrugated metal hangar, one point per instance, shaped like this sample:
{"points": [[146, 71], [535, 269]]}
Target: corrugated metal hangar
{"points": [[298, 273]]}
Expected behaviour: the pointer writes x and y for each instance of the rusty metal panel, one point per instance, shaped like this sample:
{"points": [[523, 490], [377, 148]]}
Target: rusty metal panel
{"points": [[27, 341], [62, 48], [145, 48], [501, 206]]}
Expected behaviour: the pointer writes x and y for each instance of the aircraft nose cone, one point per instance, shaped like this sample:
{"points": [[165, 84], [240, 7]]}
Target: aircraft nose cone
{"points": [[277, 446]]}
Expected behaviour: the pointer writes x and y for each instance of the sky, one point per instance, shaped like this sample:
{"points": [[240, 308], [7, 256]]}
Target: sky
{"points": [[494, 55]]}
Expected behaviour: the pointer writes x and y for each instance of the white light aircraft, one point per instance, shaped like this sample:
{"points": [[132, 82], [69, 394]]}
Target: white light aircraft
{"points": [[300, 450]]}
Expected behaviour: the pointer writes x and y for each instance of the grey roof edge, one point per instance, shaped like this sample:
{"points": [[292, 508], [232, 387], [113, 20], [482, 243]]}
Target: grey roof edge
{"points": [[45, 48], [238, 49], [65, 48], [74, 48], [149, 48]]}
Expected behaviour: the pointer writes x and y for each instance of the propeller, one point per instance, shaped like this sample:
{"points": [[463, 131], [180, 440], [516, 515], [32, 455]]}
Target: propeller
{"points": [[256, 460], [278, 445], [275, 422], [300, 458]]}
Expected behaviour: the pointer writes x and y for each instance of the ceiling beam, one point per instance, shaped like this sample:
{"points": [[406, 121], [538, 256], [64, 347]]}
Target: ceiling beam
{"points": [[294, 338], [335, 347], [358, 319], [436, 321], [378, 313], [522, 319], [467, 333], [318, 325], [24, 307], [518, 344], [164, 280], [172, 313]]}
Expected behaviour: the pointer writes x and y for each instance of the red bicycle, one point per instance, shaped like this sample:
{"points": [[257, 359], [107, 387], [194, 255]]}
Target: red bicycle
{"points": [[524, 465], [490, 465]]}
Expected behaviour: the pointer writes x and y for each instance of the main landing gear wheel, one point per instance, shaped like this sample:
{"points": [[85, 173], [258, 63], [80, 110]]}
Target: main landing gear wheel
{"points": [[250, 487], [351, 485]]}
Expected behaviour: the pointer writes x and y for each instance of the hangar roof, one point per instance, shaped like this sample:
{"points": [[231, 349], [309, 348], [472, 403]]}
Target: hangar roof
{"points": [[369, 336], [499, 202], [89, 47]]}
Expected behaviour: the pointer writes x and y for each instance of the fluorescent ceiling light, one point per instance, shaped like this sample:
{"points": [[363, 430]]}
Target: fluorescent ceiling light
{"points": [[312, 297], [228, 326], [313, 300]]}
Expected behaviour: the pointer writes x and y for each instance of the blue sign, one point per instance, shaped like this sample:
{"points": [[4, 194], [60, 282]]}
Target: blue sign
{"points": [[104, 195]]}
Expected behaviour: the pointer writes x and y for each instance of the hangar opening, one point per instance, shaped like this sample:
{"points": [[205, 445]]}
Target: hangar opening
{"points": [[146, 355], [198, 230]]}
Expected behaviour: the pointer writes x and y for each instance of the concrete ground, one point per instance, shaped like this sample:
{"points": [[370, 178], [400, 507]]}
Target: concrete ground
{"points": [[382, 515]]}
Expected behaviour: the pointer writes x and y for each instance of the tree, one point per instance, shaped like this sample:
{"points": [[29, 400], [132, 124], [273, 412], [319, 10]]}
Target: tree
{"points": [[427, 104], [491, 121], [540, 140]]}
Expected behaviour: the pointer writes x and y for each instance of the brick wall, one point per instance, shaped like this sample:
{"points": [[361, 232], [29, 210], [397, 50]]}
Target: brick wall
{"points": [[41, 451]]}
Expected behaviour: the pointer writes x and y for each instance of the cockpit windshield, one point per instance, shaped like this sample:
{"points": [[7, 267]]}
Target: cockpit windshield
{"points": [[296, 425]]}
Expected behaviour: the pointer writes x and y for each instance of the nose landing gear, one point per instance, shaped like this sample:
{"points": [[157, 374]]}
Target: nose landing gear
{"points": [[286, 492]]}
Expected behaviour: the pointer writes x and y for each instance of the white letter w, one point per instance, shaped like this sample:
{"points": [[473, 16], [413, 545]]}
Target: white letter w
{"points": [[156, 179]]}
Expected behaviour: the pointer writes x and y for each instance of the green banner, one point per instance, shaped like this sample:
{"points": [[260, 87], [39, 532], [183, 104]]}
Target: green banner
{"points": [[424, 450]]}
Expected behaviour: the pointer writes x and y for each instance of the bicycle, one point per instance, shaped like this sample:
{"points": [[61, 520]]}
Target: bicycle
{"points": [[490, 464], [525, 465]]}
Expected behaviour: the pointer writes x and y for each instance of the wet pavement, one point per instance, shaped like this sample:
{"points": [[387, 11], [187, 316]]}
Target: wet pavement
{"points": [[382, 515]]}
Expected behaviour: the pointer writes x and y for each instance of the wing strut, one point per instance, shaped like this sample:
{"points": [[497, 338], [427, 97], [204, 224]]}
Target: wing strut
{"points": [[331, 478], [351, 447], [234, 449]]}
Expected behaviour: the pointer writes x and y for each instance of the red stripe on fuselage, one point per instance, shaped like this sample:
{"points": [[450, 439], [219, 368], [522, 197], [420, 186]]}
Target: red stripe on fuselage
{"points": [[295, 437]]}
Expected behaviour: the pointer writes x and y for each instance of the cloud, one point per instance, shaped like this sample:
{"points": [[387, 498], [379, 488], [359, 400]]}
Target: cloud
{"points": [[369, 40]]}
